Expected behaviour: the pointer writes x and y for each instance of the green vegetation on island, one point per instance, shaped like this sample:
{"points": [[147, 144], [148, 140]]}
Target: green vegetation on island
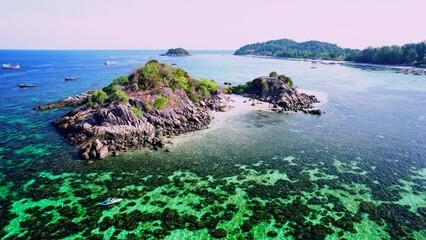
{"points": [[156, 100], [412, 54], [153, 77], [176, 52], [137, 111], [262, 85], [291, 49], [161, 102], [278, 91]]}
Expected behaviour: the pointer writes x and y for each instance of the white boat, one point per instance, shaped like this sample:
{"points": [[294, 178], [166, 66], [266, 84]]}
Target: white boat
{"points": [[8, 66], [108, 63], [112, 201]]}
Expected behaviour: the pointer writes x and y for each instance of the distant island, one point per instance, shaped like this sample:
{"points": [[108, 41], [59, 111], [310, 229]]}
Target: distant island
{"points": [[412, 54], [157, 101], [176, 52], [287, 48]]}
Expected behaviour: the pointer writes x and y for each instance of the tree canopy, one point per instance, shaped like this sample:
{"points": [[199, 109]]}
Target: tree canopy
{"points": [[151, 78], [292, 49], [176, 52], [413, 54]]}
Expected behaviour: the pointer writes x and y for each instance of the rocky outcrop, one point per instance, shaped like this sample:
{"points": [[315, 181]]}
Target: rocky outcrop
{"points": [[99, 131], [66, 102], [313, 111], [155, 102], [142, 109], [277, 91], [218, 102]]}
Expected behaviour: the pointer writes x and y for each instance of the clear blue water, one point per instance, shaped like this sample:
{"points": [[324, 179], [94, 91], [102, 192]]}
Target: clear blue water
{"points": [[362, 164]]}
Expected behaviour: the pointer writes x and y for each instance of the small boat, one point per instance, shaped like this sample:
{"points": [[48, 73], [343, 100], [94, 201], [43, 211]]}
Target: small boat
{"points": [[8, 66], [71, 78], [112, 201], [26, 85], [108, 63]]}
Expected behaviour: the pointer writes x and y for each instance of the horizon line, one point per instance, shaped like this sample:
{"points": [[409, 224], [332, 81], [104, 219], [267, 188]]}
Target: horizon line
{"points": [[104, 49]]}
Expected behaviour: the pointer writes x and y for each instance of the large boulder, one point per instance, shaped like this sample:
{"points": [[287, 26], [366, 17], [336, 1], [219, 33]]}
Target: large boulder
{"points": [[103, 152]]}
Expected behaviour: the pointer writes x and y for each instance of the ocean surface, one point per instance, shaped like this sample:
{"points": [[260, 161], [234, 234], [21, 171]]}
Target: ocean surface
{"points": [[356, 172]]}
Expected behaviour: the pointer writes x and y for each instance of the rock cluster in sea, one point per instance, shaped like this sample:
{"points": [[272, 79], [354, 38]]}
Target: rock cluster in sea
{"points": [[155, 102], [113, 128], [278, 90], [73, 101], [141, 110]]}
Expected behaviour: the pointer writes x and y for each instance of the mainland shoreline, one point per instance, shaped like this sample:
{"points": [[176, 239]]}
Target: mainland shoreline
{"points": [[364, 66]]}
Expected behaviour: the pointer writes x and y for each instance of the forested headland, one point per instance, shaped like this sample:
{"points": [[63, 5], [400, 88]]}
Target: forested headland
{"points": [[412, 54], [288, 48]]}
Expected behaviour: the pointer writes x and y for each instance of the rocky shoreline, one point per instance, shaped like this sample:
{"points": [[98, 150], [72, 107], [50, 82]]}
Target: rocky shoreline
{"points": [[278, 91], [73, 101], [101, 125], [99, 132]]}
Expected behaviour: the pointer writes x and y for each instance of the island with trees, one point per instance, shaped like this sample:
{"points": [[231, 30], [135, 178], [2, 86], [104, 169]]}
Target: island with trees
{"points": [[157, 101], [140, 110], [176, 52], [287, 48], [412, 54], [279, 91]]}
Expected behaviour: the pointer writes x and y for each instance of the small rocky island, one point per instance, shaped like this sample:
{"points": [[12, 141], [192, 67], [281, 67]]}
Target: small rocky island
{"points": [[279, 91], [176, 52], [157, 101]]}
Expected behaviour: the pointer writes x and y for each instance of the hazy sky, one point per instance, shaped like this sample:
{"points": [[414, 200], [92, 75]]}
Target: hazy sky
{"points": [[206, 24]]}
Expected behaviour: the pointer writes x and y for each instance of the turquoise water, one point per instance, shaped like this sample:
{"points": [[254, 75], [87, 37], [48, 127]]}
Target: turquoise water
{"points": [[356, 172]]}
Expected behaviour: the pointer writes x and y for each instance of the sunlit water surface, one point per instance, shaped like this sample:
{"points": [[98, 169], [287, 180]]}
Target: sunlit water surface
{"points": [[356, 172]]}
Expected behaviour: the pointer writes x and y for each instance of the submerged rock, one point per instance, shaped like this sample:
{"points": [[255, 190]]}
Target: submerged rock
{"points": [[66, 102], [272, 234], [313, 111], [219, 233]]}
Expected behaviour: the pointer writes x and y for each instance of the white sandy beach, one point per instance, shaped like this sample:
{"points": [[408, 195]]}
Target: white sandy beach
{"points": [[238, 105]]}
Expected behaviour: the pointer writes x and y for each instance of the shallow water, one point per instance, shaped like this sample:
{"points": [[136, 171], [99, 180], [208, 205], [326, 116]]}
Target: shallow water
{"points": [[356, 172]]}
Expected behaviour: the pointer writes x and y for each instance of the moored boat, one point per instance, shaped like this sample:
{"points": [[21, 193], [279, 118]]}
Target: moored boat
{"points": [[108, 63], [26, 85], [70, 78], [112, 201], [8, 66]]}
